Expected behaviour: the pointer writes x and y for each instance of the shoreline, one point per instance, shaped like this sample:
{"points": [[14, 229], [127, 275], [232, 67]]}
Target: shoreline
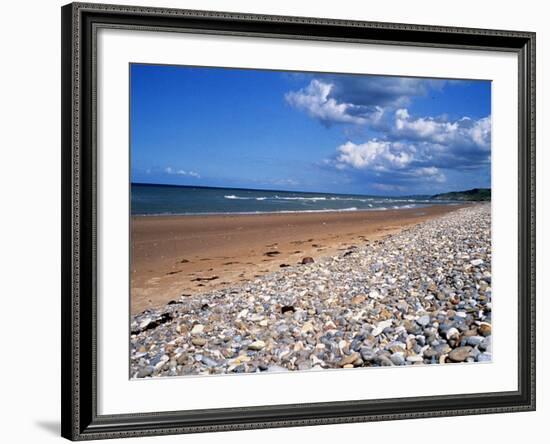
{"points": [[176, 255], [283, 212]]}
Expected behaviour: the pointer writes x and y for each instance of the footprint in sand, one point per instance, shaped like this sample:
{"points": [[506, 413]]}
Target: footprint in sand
{"points": [[272, 253], [198, 279], [173, 272]]}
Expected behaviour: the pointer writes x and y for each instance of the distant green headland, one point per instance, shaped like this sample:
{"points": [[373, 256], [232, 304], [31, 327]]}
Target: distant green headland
{"points": [[475, 194]]}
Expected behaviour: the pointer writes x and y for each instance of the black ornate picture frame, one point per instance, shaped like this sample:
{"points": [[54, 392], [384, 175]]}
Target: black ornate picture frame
{"points": [[80, 420]]}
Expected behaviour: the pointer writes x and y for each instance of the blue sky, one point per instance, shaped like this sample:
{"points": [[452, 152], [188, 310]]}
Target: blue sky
{"points": [[307, 131]]}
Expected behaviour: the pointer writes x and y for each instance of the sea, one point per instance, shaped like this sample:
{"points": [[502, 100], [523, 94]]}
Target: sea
{"points": [[148, 199]]}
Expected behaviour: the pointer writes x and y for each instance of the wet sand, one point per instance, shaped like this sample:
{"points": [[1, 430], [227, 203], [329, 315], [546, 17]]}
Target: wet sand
{"points": [[185, 255]]}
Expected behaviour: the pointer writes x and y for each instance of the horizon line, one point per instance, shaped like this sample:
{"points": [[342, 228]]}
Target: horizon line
{"points": [[298, 191]]}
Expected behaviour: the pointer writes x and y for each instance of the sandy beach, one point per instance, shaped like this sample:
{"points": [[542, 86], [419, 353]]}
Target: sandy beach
{"points": [[176, 256], [420, 295]]}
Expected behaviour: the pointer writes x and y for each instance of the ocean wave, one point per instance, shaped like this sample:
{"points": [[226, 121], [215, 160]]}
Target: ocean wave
{"points": [[323, 210], [370, 202], [350, 199], [232, 196], [219, 213], [312, 199]]}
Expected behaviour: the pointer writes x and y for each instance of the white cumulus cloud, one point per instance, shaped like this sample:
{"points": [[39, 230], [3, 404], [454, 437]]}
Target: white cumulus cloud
{"points": [[462, 132], [429, 173], [377, 155], [170, 170], [316, 101], [401, 149], [396, 160], [188, 173]]}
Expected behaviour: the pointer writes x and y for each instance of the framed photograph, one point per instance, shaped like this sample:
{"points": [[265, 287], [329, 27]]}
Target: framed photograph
{"points": [[281, 221]]}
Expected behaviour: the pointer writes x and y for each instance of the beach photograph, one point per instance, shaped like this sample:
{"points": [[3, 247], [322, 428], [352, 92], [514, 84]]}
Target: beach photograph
{"points": [[296, 221]]}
